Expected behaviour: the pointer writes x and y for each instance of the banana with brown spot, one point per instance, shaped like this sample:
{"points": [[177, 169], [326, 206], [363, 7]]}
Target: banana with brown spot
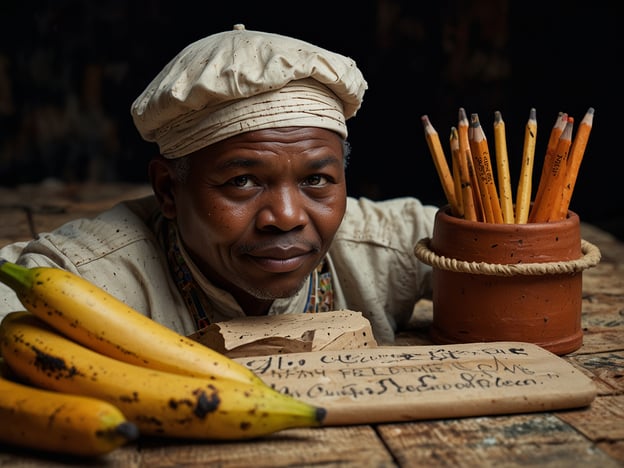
{"points": [[59, 422], [159, 403], [93, 317]]}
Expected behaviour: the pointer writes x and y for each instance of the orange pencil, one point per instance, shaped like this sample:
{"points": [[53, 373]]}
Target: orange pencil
{"points": [[464, 177], [575, 156], [486, 207], [549, 160], [441, 164], [523, 197], [483, 166], [464, 148], [548, 208], [502, 169]]}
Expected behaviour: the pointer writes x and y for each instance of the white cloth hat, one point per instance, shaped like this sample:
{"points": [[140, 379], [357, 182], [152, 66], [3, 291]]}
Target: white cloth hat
{"points": [[238, 81]]}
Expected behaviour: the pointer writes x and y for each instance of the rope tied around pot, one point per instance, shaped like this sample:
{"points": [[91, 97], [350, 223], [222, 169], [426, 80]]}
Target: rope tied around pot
{"points": [[591, 257]]}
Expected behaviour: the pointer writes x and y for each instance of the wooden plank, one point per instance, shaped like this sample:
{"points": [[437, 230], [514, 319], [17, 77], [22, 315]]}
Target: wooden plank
{"points": [[48, 206], [615, 449], [510, 441], [15, 457], [606, 367], [602, 420], [602, 321], [329, 447], [14, 225]]}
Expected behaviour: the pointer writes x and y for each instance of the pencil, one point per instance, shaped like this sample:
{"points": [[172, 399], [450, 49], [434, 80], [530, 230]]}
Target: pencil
{"points": [[502, 169], [464, 148], [575, 156], [456, 176], [548, 208], [549, 160], [484, 200], [441, 164], [483, 167], [464, 177], [523, 197]]}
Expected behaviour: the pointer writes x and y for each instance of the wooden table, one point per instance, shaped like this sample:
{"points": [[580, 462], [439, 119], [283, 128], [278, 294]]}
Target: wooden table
{"points": [[592, 436]]}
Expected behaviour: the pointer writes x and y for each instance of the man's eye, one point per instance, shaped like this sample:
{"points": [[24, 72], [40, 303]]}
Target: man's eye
{"points": [[315, 180], [241, 181]]}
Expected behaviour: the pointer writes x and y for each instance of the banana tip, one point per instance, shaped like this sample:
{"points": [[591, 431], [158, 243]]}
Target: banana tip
{"points": [[128, 430], [320, 414]]}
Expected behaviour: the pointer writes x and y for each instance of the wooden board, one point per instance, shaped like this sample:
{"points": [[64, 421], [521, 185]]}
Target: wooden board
{"points": [[403, 383]]}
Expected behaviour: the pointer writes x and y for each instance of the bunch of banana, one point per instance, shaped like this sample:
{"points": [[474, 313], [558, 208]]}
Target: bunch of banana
{"points": [[160, 403], [60, 423], [99, 321]]}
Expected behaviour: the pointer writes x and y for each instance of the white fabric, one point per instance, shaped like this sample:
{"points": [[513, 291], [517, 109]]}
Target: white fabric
{"points": [[301, 103], [231, 82]]}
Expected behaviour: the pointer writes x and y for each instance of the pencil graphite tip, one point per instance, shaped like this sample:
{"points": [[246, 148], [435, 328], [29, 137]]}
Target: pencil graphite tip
{"points": [[454, 136], [462, 114], [588, 118], [532, 114]]}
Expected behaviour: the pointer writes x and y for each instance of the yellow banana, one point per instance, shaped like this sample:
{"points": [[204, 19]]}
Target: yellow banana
{"points": [[159, 403], [59, 422], [96, 319]]}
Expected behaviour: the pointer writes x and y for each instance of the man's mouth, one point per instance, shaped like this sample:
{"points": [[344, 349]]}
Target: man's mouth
{"points": [[282, 264], [278, 259]]}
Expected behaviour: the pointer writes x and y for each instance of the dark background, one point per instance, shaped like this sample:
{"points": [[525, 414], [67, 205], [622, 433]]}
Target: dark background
{"points": [[70, 69]]}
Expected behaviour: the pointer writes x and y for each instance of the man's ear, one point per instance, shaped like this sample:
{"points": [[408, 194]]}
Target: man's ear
{"points": [[162, 178]]}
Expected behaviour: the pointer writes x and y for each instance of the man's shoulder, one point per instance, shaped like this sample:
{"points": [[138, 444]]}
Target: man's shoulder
{"points": [[84, 240], [368, 219]]}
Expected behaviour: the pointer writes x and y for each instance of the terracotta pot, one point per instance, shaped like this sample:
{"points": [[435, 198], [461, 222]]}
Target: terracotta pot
{"points": [[540, 308]]}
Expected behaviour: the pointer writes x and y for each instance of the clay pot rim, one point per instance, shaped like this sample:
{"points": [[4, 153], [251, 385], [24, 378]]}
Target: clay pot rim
{"points": [[570, 220]]}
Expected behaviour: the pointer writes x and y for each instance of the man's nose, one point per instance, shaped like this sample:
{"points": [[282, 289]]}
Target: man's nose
{"points": [[282, 208]]}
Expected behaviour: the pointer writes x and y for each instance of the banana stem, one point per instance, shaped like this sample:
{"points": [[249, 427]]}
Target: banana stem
{"points": [[15, 276]]}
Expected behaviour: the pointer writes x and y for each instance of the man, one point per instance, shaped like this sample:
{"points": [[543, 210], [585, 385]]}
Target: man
{"points": [[250, 213]]}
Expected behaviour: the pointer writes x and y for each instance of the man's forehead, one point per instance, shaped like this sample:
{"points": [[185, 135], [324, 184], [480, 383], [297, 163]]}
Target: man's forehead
{"points": [[243, 149]]}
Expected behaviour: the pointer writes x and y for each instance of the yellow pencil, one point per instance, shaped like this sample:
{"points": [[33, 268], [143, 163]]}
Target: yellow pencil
{"points": [[502, 169], [523, 197], [441, 164], [455, 156], [549, 161], [575, 156], [464, 177], [483, 166]]}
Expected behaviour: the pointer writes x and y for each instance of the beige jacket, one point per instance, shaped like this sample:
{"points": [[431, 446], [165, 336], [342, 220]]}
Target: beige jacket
{"points": [[374, 269]]}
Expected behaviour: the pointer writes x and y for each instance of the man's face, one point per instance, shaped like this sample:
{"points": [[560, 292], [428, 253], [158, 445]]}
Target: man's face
{"points": [[259, 210]]}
